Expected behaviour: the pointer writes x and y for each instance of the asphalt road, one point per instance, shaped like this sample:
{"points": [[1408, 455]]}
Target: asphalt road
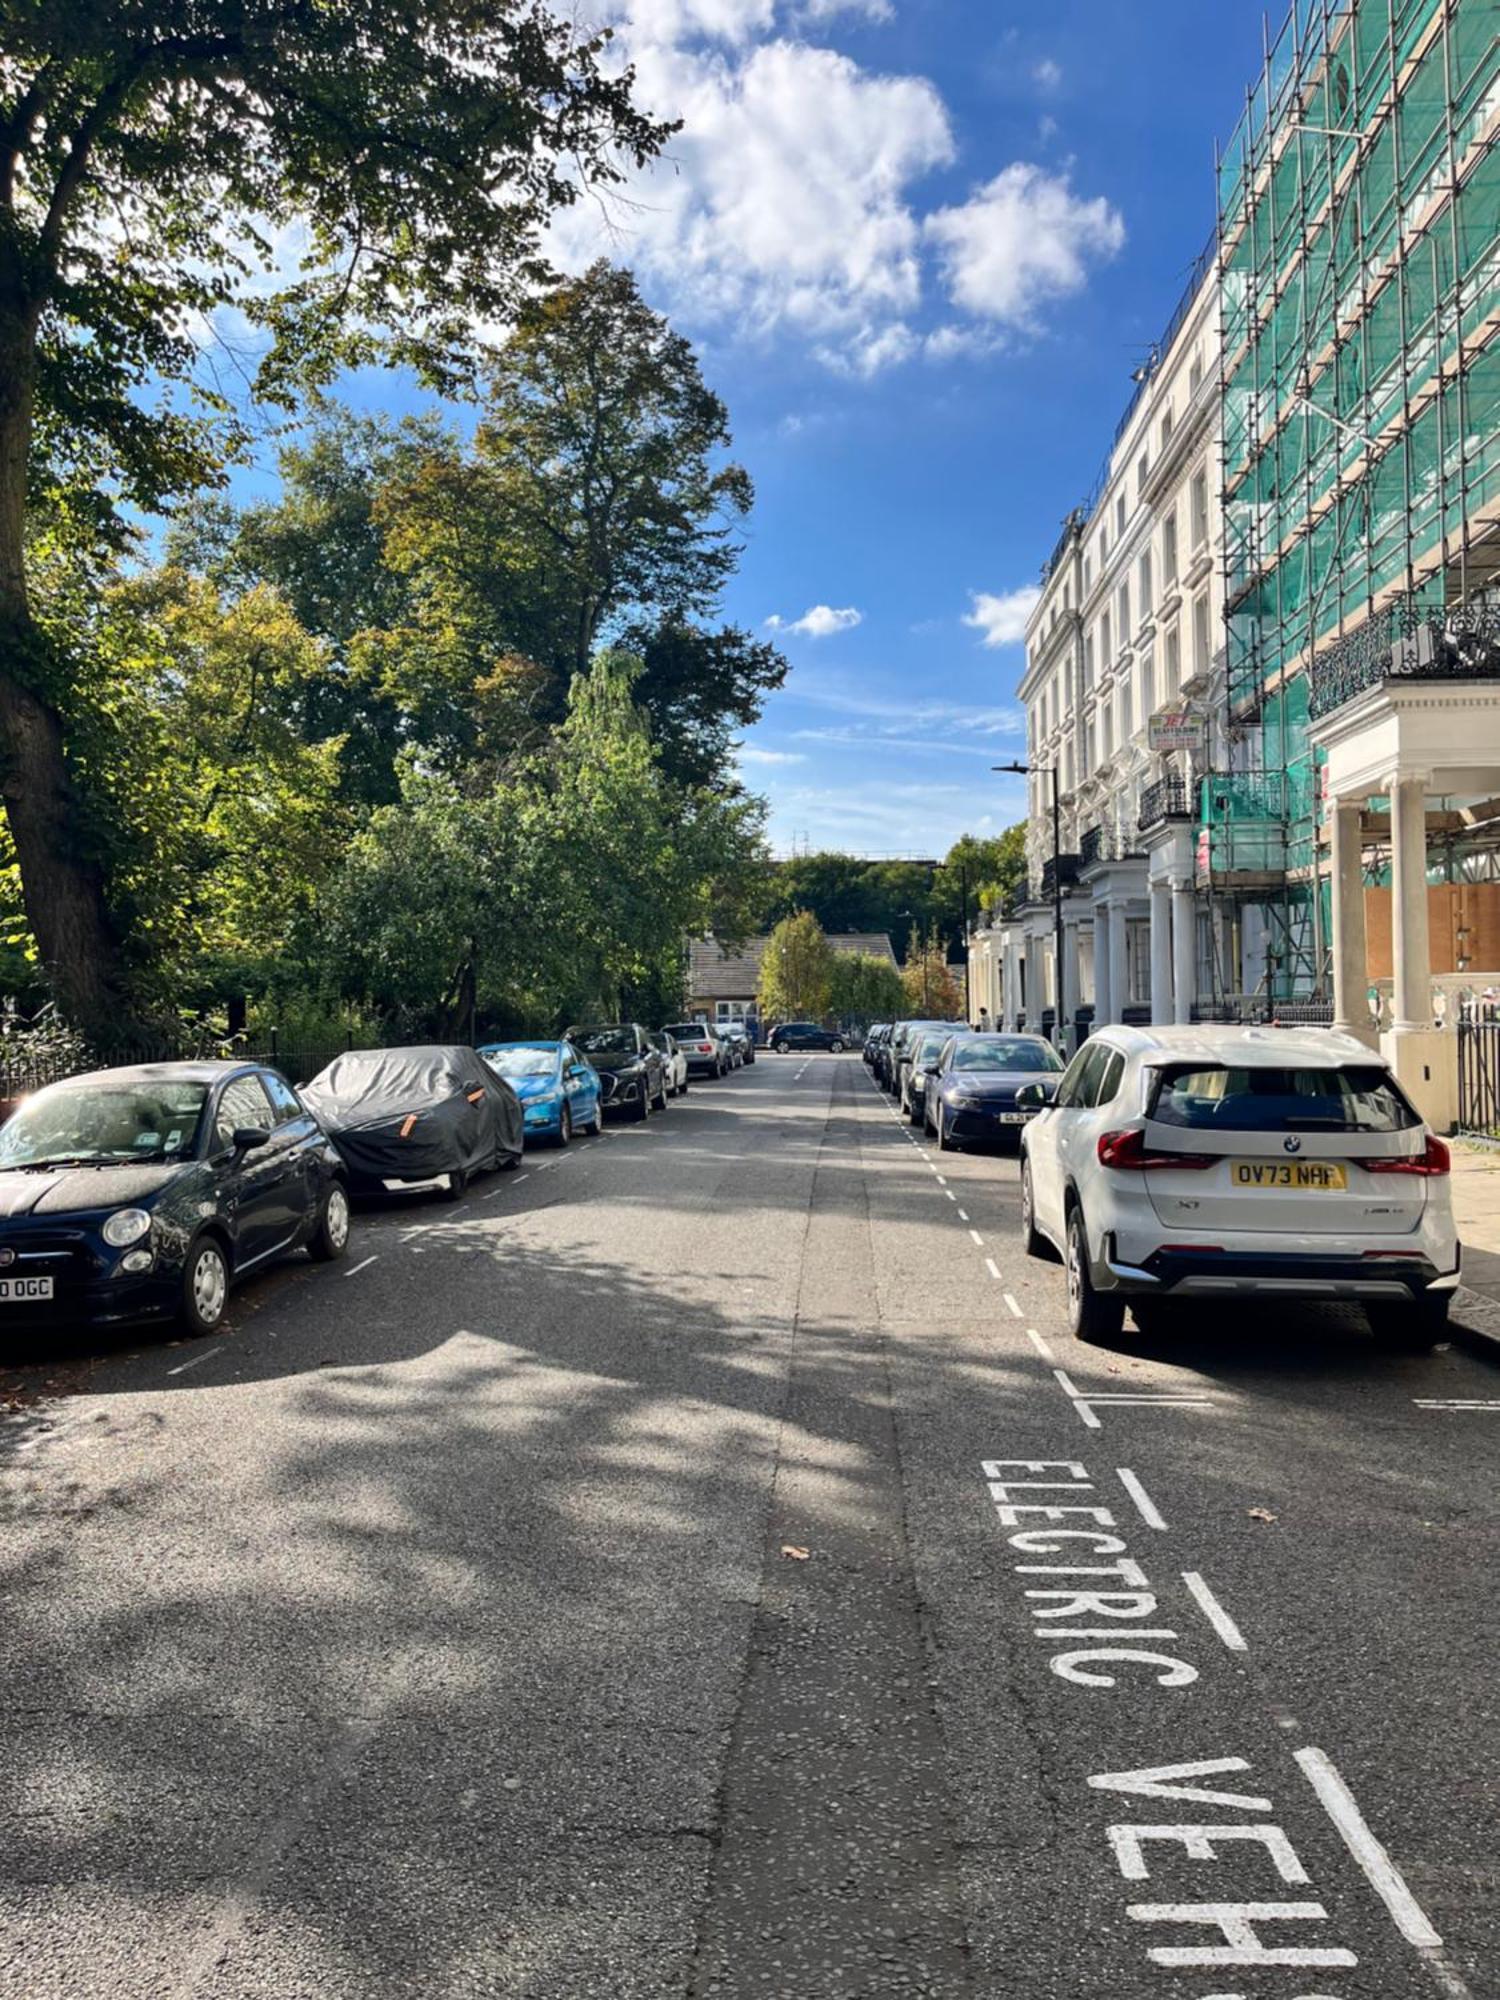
{"points": [[622, 1584]]}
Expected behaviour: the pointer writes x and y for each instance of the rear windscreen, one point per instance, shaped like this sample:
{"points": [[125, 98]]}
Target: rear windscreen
{"points": [[1359, 1098]]}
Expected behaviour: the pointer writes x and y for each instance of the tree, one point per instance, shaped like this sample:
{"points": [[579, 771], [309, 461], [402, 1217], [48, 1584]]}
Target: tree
{"points": [[795, 971], [151, 152], [599, 444], [863, 988], [931, 990]]}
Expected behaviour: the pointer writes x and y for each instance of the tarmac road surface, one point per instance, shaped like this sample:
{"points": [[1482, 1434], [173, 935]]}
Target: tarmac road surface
{"points": [[700, 1564]]}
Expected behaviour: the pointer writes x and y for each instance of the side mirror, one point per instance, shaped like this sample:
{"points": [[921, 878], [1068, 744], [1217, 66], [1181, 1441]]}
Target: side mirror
{"points": [[931, 1069], [247, 1137], [1032, 1097]]}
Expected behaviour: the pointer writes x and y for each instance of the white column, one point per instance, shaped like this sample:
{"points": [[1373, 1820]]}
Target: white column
{"points": [[1409, 936], [1104, 969], [1350, 1012], [1184, 951], [1010, 984], [1067, 987], [1161, 953], [1119, 969]]}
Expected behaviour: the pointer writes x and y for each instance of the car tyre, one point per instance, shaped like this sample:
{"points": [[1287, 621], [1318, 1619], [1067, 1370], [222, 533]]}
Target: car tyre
{"points": [[640, 1111], [1092, 1316], [205, 1287], [455, 1183], [1032, 1240], [913, 1115], [782, 1048], [662, 1098], [835, 1047], [1412, 1327], [945, 1141], [330, 1237], [564, 1126]]}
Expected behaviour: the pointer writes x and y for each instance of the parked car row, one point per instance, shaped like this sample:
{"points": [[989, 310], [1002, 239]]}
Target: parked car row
{"points": [[146, 1193]]}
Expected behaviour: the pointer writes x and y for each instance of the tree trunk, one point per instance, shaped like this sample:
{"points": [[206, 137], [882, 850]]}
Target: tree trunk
{"points": [[62, 888]]}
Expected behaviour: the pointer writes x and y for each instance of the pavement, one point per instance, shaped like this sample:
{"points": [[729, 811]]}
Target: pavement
{"points": [[1476, 1208], [700, 1564]]}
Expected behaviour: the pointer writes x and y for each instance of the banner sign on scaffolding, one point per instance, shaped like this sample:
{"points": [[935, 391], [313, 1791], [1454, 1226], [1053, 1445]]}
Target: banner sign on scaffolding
{"points": [[1175, 729]]}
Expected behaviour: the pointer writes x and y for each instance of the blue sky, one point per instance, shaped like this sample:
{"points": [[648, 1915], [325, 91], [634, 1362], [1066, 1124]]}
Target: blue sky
{"points": [[920, 245]]}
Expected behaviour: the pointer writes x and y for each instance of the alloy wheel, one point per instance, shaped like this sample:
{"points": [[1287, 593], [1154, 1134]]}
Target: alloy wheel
{"points": [[336, 1218]]}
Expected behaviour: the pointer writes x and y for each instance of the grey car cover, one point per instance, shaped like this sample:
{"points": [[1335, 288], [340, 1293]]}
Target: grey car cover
{"points": [[413, 1114]]}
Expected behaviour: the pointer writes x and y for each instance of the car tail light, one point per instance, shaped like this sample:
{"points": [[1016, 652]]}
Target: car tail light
{"points": [[1127, 1151], [1434, 1161]]}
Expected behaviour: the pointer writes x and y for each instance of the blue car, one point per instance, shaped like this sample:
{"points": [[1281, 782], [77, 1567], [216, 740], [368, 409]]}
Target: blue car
{"points": [[559, 1091]]}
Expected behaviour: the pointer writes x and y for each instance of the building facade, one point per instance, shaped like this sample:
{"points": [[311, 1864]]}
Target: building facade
{"points": [[1119, 692], [1311, 476]]}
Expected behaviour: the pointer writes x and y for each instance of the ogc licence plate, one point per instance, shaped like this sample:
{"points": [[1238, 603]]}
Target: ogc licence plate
{"points": [[13, 1290], [1302, 1176]]}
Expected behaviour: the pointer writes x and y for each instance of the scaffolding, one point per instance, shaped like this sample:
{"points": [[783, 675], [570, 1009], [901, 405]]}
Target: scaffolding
{"points": [[1359, 256]]}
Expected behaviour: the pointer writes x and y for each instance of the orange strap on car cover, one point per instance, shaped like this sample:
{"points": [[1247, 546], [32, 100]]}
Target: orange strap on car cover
{"points": [[407, 1124], [476, 1095]]}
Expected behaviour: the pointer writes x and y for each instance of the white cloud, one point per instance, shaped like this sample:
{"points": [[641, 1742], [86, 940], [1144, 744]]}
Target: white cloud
{"points": [[1021, 240], [1047, 74], [786, 199], [824, 10], [667, 22], [749, 753], [821, 621], [1002, 619]]}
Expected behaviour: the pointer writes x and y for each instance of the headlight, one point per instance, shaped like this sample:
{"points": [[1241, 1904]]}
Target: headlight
{"points": [[126, 1225]]}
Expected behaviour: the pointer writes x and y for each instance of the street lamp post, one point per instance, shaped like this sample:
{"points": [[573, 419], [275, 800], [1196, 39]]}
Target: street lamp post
{"points": [[1024, 770]]}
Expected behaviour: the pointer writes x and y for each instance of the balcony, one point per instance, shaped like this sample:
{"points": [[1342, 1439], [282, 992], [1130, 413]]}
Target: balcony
{"points": [[1406, 643], [1105, 843], [1063, 869], [1167, 799]]}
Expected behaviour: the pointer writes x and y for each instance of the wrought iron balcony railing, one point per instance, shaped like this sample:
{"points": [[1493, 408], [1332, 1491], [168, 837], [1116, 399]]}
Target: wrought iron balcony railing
{"points": [[1066, 867], [1106, 843], [1407, 642], [1166, 799]]}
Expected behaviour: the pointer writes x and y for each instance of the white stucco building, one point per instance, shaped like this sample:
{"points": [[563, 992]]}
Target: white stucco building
{"points": [[1120, 664]]}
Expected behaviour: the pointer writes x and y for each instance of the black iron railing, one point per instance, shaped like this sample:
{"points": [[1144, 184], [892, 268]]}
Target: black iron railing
{"points": [[1065, 868], [1166, 799], [1106, 843], [1407, 642], [1479, 1068]]}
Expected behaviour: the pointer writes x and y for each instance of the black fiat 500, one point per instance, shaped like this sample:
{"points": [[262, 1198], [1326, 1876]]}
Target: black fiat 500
{"points": [[145, 1193]]}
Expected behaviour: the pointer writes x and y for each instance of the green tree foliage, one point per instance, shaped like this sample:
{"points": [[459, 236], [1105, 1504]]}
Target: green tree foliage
{"points": [[156, 156], [863, 988], [847, 894], [796, 971], [932, 993], [572, 882]]}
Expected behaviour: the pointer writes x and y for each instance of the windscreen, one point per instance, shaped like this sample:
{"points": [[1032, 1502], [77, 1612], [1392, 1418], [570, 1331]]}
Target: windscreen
{"points": [[605, 1041], [1037, 1058], [538, 1061], [103, 1123], [932, 1046], [1358, 1098]]}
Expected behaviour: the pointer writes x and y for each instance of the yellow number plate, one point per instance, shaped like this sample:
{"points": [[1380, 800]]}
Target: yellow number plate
{"points": [[1303, 1176]]}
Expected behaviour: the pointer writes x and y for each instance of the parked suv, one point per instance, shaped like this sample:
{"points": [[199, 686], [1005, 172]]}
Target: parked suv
{"points": [[1238, 1163], [789, 1035], [705, 1053], [632, 1074]]}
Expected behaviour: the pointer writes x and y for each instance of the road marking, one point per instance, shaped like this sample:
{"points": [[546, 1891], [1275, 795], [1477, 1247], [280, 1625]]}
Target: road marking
{"points": [[963, 1215], [1084, 1403], [1454, 1403], [1378, 1868], [186, 1365], [941, 1181], [516, 1182], [979, 1240], [1010, 1301], [993, 1268], [1215, 1613], [950, 1194], [1145, 1506], [1038, 1343], [355, 1269]]}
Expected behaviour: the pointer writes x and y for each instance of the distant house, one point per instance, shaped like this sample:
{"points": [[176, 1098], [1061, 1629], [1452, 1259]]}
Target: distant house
{"points": [[722, 984]]}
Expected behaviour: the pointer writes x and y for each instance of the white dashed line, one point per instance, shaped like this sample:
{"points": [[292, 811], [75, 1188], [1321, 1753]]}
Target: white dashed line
{"points": [[1453, 1403], [1214, 1612], [993, 1268], [1010, 1302], [1090, 1421], [1145, 1506], [978, 1239], [183, 1367], [363, 1265], [941, 1181], [950, 1194], [963, 1215], [1377, 1866], [1038, 1343]]}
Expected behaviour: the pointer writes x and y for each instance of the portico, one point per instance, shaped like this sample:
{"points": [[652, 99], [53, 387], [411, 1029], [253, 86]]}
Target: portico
{"points": [[1400, 747]]}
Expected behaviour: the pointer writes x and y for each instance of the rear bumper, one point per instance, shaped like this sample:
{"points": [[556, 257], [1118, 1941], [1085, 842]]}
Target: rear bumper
{"points": [[702, 1065], [1262, 1274]]}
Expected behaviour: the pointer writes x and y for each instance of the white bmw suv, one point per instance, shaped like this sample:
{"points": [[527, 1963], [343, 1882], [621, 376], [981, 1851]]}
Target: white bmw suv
{"points": [[1231, 1163]]}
